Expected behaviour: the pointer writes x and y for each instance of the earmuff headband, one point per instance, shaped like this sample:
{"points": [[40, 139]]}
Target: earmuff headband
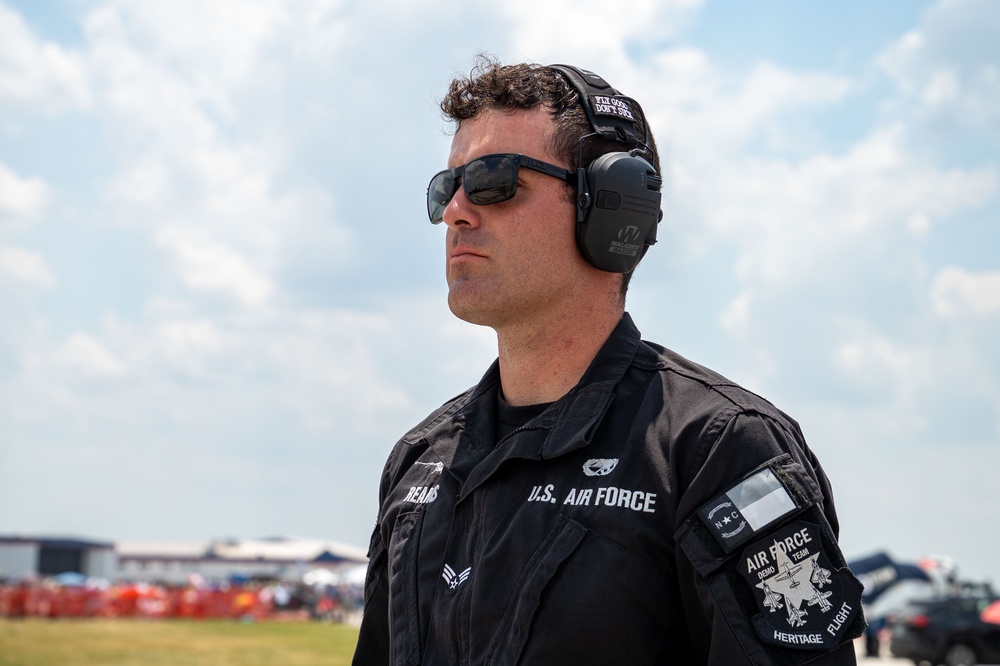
{"points": [[618, 194], [613, 116]]}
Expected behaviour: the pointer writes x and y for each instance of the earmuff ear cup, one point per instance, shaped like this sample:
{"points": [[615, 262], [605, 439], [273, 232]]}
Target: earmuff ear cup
{"points": [[618, 223]]}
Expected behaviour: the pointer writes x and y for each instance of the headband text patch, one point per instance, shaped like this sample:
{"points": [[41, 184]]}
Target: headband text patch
{"points": [[604, 105]]}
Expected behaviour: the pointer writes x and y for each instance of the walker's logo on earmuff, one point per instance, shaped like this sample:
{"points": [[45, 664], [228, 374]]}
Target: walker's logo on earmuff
{"points": [[629, 234], [626, 243]]}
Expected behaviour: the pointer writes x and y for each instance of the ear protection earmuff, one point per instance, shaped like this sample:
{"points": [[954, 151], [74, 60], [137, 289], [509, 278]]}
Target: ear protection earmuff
{"points": [[618, 194]]}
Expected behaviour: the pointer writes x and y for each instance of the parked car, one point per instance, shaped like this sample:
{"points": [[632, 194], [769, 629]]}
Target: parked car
{"points": [[948, 630]]}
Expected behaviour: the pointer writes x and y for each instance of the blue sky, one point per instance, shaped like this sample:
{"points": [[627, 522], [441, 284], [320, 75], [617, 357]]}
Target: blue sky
{"points": [[221, 303]]}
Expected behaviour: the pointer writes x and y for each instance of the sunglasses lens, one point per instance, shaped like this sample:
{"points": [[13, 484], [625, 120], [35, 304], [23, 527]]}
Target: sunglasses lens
{"points": [[439, 193], [490, 180]]}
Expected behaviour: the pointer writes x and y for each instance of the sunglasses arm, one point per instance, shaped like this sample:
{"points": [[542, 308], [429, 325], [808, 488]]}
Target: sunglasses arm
{"points": [[583, 199]]}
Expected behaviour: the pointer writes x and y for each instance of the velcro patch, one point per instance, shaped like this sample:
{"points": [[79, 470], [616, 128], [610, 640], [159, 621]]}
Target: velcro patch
{"points": [[805, 603], [616, 107], [737, 515]]}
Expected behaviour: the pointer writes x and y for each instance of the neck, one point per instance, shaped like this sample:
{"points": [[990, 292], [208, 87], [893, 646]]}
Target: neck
{"points": [[541, 362]]}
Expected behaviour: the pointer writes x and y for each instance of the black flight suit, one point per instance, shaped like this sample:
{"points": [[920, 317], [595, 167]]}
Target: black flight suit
{"points": [[655, 514]]}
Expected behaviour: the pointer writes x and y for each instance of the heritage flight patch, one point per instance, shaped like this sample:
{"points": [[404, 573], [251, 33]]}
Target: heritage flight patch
{"points": [[737, 515], [805, 603]]}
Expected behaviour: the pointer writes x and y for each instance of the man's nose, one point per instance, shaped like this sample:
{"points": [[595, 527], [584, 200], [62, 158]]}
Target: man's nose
{"points": [[460, 212]]}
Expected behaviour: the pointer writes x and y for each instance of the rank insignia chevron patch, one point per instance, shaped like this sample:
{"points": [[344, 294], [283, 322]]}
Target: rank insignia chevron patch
{"points": [[805, 603], [455, 579]]}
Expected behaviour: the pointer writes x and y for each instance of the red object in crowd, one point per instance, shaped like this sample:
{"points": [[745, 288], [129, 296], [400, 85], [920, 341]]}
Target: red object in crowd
{"points": [[991, 613], [140, 600]]}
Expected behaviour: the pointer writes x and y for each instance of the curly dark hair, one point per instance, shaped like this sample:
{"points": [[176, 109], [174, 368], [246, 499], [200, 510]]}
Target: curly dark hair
{"points": [[492, 85]]}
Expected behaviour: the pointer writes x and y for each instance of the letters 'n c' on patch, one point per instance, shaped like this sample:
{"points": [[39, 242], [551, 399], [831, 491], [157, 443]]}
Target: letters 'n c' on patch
{"points": [[737, 515]]}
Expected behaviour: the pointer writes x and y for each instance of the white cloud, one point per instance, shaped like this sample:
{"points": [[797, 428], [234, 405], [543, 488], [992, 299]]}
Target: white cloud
{"points": [[26, 266], [21, 197], [591, 36], [188, 347], [945, 69], [218, 50], [795, 220], [876, 361], [956, 291], [217, 268], [737, 172], [38, 74], [738, 314], [23, 200], [699, 112], [84, 354], [203, 159], [735, 169]]}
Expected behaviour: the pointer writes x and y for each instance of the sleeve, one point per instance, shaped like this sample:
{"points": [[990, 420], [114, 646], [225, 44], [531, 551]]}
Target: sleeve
{"points": [[761, 574], [373, 647]]}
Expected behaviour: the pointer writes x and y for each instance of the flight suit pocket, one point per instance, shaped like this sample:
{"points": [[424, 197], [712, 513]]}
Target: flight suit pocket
{"points": [[403, 615], [581, 598], [541, 569], [376, 554]]}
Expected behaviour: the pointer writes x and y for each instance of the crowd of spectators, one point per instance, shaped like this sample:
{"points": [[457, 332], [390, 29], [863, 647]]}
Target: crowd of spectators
{"points": [[245, 600]]}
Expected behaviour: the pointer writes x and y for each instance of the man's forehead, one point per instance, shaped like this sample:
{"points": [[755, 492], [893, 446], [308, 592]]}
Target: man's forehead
{"points": [[501, 131]]}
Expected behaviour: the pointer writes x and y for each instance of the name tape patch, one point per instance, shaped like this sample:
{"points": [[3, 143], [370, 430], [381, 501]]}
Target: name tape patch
{"points": [[737, 515], [804, 602], [423, 477]]}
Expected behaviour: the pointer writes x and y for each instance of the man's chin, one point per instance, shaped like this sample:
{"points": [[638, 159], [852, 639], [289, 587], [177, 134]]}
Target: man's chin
{"points": [[469, 307]]}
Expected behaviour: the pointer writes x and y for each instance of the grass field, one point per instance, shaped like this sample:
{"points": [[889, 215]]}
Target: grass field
{"points": [[173, 643]]}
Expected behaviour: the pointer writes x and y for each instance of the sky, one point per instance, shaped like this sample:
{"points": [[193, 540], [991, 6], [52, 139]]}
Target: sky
{"points": [[221, 302]]}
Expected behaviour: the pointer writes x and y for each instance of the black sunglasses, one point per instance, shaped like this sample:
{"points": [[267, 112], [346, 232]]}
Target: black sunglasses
{"points": [[486, 180]]}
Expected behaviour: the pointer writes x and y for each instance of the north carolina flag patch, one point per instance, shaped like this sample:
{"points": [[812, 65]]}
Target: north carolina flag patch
{"points": [[751, 505]]}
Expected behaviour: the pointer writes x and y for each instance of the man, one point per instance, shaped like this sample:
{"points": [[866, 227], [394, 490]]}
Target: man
{"points": [[595, 499]]}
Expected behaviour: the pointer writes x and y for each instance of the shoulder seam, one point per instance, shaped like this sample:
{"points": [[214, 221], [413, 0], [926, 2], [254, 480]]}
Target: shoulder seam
{"points": [[444, 412]]}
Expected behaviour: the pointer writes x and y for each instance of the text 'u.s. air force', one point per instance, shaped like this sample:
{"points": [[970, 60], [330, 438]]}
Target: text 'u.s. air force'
{"points": [[610, 496]]}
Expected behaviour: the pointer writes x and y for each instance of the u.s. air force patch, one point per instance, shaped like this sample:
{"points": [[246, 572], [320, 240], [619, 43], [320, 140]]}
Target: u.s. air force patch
{"points": [[805, 602]]}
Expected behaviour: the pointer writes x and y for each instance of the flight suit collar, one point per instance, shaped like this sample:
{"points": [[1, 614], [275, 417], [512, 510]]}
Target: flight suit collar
{"points": [[568, 424]]}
